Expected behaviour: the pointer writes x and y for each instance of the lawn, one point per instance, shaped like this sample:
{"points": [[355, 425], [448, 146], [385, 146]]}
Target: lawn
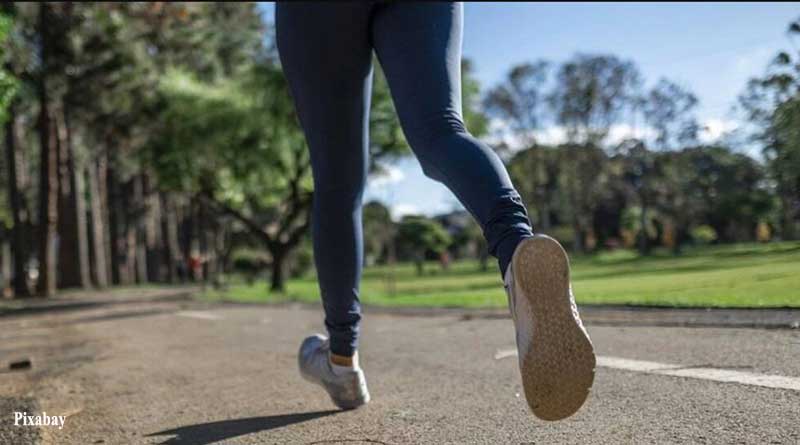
{"points": [[742, 275]]}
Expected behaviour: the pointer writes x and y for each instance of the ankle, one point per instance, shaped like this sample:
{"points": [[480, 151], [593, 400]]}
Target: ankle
{"points": [[344, 360]]}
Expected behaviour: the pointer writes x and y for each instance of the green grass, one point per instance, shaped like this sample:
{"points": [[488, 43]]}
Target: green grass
{"points": [[742, 275]]}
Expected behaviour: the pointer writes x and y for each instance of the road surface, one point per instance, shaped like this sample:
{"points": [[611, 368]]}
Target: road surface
{"points": [[189, 373]]}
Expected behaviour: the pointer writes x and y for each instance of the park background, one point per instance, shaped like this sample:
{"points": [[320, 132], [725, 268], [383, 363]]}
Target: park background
{"points": [[156, 143]]}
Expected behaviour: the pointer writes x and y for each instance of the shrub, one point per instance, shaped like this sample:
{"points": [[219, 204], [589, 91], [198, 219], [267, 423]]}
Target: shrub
{"points": [[704, 234]]}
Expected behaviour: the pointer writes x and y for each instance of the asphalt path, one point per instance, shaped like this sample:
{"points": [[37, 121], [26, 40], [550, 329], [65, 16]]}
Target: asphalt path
{"points": [[181, 373]]}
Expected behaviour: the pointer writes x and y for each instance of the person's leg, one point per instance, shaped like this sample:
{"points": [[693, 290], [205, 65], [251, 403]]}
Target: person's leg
{"points": [[419, 48], [327, 58]]}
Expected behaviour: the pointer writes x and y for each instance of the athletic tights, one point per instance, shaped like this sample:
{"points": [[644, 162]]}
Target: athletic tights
{"points": [[326, 51]]}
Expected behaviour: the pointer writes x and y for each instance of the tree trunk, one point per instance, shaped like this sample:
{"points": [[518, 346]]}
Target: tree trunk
{"points": [[137, 247], [20, 232], [48, 172], [171, 250], [188, 232], [544, 217], [787, 218], [48, 204], [153, 236], [202, 229], [73, 249], [680, 234], [120, 273], [643, 229], [102, 189], [577, 241], [223, 250], [278, 271], [98, 245], [5, 268]]}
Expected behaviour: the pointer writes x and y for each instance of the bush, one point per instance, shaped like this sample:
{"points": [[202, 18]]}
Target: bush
{"points": [[704, 234], [302, 261], [249, 263], [564, 234]]}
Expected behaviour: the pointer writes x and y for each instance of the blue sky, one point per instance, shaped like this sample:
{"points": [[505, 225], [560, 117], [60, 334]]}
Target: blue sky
{"points": [[711, 48]]}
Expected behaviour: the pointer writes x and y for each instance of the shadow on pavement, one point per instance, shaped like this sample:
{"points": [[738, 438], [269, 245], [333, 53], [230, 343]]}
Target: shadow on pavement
{"points": [[212, 432]]}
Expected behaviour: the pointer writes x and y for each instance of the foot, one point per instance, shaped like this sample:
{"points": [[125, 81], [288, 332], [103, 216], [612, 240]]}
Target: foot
{"points": [[556, 357], [346, 386]]}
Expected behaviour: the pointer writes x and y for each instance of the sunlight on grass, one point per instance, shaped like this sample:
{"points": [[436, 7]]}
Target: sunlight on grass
{"points": [[742, 275]]}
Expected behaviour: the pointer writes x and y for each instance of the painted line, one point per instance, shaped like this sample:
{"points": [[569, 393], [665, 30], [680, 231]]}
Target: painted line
{"points": [[692, 372], [503, 353], [700, 372], [198, 315]]}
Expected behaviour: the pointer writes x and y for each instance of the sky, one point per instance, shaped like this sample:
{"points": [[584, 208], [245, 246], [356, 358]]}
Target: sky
{"points": [[710, 48]]}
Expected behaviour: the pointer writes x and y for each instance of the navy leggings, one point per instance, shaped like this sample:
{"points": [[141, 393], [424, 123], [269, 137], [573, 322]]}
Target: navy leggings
{"points": [[326, 53]]}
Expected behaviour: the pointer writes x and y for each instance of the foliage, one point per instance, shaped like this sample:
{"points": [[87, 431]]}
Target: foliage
{"points": [[520, 100], [667, 108], [8, 84], [704, 234], [378, 230], [419, 235], [590, 93], [772, 103]]}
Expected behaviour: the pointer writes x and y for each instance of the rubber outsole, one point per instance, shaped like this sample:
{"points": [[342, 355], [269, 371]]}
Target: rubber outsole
{"points": [[558, 368]]}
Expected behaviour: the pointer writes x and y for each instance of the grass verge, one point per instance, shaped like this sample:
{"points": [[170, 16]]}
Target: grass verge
{"points": [[741, 275]]}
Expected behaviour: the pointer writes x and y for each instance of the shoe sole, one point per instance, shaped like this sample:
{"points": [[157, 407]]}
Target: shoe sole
{"points": [[558, 369]]}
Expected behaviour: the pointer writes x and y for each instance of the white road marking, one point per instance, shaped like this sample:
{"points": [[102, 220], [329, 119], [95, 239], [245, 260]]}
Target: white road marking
{"points": [[503, 353], [700, 372], [704, 373], [199, 315]]}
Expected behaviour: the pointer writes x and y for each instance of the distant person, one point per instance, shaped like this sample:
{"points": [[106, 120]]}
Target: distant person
{"points": [[326, 53]]}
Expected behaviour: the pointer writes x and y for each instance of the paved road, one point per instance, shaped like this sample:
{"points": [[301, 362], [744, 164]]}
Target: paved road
{"points": [[177, 373]]}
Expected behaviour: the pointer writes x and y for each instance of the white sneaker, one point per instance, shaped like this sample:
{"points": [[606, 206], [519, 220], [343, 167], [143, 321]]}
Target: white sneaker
{"points": [[556, 356], [347, 388]]}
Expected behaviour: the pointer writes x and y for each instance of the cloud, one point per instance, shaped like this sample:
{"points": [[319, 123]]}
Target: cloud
{"points": [[556, 134], [398, 211], [713, 129], [390, 175]]}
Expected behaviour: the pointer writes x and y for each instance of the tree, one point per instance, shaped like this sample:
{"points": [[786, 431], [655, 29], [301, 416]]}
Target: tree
{"points": [[236, 146], [535, 171], [520, 100], [48, 174], [584, 178], [378, 230], [667, 108], [418, 235], [772, 103], [8, 82], [640, 174], [17, 179], [470, 236], [475, 119], [591, 92]]}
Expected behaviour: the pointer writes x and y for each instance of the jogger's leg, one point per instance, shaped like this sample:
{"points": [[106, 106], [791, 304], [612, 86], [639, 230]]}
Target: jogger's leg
{"points": [[327, 58], [419, 47]]}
